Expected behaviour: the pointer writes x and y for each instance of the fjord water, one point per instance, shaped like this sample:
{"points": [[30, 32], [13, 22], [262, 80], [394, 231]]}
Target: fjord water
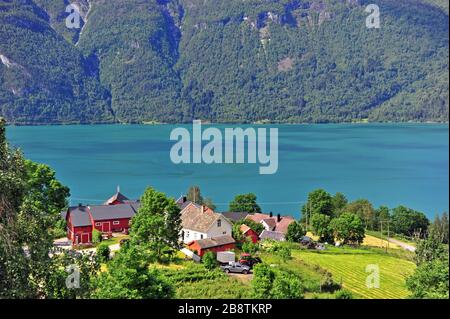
{"points": [[389, 164]]}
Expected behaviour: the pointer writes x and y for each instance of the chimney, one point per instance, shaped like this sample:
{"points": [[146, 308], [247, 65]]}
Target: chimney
{"points": [[278, 218], [271, 214], [79, 204], [203, 208], [184, 199]]}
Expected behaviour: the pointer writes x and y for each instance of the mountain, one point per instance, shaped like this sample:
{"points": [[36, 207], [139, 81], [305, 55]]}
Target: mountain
{"points": [[223, 61]]}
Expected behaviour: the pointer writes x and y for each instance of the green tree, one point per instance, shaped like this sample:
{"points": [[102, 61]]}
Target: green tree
{"points": [[157, 225], [194, 195], [43, 187], [409, 222], [295, 232], [339, 203], [28, 266], [103, 252], [319, 202], [321, 227], [348, 228], [210, 260], [245, 203], [130, 276], [431, 277], [382, 214], [440, 227], [364, 209]]}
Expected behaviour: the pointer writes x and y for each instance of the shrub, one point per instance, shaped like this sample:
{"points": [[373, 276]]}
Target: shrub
{"points": [[103, 252], [96, 236], [287, 286], [210, 260], [327, 284], [343, 294], [263, 277], [249, 247]]}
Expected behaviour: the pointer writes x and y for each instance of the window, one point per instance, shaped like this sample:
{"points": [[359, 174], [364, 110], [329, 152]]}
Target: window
{"points": [[219, 223], [224, 233], [98, 224], [201, 236], [116, 222], [187, 234]]}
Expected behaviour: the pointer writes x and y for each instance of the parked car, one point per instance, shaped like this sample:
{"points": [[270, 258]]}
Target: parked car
{"points": [[249, 260], [236, 268]]}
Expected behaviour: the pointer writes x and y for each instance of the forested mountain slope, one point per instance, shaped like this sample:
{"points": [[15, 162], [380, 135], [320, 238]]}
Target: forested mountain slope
{"points": [[223, 61]]}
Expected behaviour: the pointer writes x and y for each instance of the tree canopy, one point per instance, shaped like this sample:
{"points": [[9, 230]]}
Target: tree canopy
{"points": [[245, 203]]}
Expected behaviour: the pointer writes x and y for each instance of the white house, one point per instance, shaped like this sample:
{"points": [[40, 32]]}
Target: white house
{"points": [[200, 222]]}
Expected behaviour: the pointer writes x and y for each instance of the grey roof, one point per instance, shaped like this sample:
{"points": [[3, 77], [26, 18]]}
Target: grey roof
{"points": [[235, 216], [105, 212], [274, 235], [79, 216]]}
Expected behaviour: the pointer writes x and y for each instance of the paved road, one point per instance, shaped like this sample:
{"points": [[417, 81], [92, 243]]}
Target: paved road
{"points": [[402, 244]]}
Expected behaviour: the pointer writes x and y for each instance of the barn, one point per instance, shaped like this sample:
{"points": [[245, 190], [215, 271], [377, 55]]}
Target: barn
{"points": [[214, 244], [112, 218], [108, 218], [79, 225]]}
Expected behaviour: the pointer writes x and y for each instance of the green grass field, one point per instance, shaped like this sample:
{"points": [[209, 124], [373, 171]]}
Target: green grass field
{"points": [[348, 265]]}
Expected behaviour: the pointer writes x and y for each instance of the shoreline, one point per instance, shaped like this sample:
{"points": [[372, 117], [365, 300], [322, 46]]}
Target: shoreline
{"points": [[207, 123]]}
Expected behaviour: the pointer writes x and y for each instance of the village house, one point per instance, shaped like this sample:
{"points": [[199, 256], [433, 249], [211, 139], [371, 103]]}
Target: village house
{"points": [[113, 216], [201, 222], [249, 233], [275, 227], [215, 244]]}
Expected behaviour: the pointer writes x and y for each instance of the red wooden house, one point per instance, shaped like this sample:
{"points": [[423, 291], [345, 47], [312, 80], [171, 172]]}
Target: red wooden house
{"points": [[249, 233], [214, 244], [115, 217], [79, 225]]}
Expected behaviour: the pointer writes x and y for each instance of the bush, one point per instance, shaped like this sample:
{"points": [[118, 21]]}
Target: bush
{"points": [[210, 260], [96, 236], [327, 284], [287, 286], [344, 294], [103, 252], [263, 277], [60, 229], [249, 247]]}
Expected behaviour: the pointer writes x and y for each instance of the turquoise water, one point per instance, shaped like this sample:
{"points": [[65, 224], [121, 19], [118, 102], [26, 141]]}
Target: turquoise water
{"points": [[389, 164]]}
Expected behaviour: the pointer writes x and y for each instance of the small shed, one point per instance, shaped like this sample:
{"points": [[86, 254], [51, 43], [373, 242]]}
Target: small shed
{"points": [[214, 244], [249, 233]]}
